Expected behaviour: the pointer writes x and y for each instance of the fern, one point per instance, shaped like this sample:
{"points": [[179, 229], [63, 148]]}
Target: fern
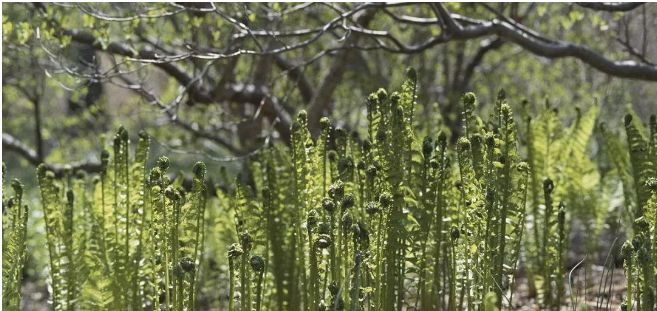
{"points": [[561, 153], [353, 220], [388, 222], [640, 256], [128, 242], [58, 204], [14, 231], [642, 164]]}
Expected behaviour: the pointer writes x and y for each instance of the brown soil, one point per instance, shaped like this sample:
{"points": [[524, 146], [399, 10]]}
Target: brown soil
{"points": [[586, 289]]}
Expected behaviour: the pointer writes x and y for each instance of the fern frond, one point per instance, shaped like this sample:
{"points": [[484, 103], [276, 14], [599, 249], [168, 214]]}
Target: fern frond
{"points": [[13, 245], [642, 164]]}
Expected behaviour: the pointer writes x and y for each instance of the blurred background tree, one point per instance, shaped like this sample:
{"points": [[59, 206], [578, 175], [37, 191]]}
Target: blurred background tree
{"points": [[216, 81]]}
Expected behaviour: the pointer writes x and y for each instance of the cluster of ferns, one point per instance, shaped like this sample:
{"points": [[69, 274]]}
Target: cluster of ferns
{"points": [[123, 240], [334, 221]]}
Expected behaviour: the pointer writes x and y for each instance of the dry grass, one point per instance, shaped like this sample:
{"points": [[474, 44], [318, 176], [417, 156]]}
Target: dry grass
{"points": [[588, 291]]}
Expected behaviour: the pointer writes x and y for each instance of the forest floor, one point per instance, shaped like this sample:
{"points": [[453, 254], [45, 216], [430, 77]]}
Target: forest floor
{"points": [[35, 298], [598, 289]]}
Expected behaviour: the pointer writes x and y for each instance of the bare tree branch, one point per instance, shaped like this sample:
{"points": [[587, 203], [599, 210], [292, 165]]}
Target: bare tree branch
{"points": [[478, 58], [241, 93], [232, 92], [611, 6], [324, 93], [197, 92], [633, 51], [560, 49], [349, 24], [510, 30], [10, 143], [192, 128], [554, 49], [451, 26], [295, 73]]}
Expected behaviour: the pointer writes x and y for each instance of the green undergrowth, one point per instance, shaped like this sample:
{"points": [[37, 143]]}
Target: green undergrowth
{"points": [[14, 232], [127, 239], [393, 221], [388, 221]]}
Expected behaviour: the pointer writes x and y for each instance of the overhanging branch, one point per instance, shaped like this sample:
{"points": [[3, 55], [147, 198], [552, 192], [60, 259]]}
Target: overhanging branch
{"points": [[553, 48], [610, 6], [12, 144], [232, 92]]}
